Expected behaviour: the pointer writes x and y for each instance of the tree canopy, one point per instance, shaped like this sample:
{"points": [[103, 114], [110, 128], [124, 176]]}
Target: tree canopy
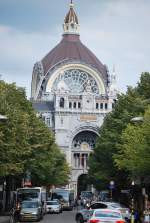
{"points": [[103, 161], [26, 144]]}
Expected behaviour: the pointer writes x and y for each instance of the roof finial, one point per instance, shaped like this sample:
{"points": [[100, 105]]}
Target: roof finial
{"points": [[71, 3]]}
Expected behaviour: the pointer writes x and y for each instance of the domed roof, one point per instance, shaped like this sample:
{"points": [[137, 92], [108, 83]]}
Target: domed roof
{"points": [[71, 48]]}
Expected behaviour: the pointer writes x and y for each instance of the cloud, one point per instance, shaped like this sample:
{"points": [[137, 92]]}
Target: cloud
{"points": [[118, 35], [19, 51], [117, 31]]}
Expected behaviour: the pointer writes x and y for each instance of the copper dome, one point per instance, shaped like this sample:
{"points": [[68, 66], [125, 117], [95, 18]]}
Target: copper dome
{"points": [[71, 48]]}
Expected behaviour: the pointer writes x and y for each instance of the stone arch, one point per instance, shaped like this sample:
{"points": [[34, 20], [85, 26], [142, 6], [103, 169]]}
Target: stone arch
{"points": [[82, 128]]}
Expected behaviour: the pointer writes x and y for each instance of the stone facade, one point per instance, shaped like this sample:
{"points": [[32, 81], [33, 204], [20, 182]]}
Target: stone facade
{"points": [[73, 96]]}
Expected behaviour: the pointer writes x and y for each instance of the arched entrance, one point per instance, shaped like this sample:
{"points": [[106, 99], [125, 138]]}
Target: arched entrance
{"points": [[82, 145]]}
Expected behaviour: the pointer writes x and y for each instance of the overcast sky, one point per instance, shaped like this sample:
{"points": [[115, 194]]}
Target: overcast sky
{"points": [[117, 31]]}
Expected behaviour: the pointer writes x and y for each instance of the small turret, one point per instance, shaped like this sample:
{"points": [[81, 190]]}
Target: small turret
{"points": [[71, 24]]}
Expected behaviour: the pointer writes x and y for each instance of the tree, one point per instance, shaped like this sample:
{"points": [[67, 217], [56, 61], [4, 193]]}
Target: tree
{"points": [[102, 165], [26, 144], [134, 149]]}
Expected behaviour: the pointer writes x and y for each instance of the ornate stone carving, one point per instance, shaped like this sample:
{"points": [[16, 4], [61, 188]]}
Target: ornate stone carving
{"points": [[38, 69]]}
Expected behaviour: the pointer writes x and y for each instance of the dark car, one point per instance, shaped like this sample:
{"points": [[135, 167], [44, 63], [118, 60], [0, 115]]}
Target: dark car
{"points": [[31, 211]]}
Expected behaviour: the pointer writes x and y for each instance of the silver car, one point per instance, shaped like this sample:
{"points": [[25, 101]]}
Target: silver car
{"points": [[31, 211], [53, 206], [106, 216], [124, 210], [83, 215]]}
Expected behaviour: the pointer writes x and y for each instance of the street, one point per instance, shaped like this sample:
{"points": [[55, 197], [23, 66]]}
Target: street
{"points": [[64, 217]]}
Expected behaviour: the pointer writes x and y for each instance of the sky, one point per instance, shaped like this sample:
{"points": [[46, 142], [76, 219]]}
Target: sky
{"points": [[116, 31]]}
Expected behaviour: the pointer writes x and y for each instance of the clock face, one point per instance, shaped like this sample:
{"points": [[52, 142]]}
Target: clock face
{"points": [[77, 81]]}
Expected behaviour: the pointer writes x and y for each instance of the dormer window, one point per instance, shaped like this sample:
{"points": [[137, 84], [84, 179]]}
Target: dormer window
{"points": [[62, 102]]}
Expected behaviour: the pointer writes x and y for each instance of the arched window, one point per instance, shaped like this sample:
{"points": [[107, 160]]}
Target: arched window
{"points": [[97, 106], [74, 104], [79, 105], [62, 102], [101, 105], [106, 105], [70, 104]]}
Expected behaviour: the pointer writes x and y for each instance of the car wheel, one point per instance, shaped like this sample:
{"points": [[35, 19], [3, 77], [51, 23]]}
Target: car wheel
{"points": [[79, 219]]}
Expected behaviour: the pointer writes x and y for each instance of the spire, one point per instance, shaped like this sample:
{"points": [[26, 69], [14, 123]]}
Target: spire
{"points": [[71, 24]]}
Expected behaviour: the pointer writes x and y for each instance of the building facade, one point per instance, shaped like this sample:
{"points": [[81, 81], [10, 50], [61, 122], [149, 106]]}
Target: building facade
{"points": [[73, 91]]}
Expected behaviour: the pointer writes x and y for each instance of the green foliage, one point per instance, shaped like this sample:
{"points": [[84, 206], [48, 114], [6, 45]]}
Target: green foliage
{"points": [[103, 168], [134, 149], [26, 143]]}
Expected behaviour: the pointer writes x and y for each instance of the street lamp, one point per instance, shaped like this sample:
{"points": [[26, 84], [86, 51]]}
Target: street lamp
{"points": [[132, 202], [2, 117], [137, 119], [111, 187]]}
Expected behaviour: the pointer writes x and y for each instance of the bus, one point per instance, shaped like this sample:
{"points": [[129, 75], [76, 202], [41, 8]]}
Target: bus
{"points": [[65, 196], [32, 193]]}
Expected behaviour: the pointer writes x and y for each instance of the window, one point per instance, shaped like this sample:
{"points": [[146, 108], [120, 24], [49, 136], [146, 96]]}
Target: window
{"points": [[97, 105], [70, 104], [62, 102], [76, 80], [106, 105], [74, 105], [98, 206], [79, 105], [48, 121], [101, 105]]}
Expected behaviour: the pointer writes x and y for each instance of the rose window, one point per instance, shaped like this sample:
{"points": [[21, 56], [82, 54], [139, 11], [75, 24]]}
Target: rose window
{"points": [[77, 80]]}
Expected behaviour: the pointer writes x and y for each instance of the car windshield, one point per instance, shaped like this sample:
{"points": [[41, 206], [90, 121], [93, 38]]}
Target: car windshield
{"points": [[52, 203], [29, 205], [108, 214]]}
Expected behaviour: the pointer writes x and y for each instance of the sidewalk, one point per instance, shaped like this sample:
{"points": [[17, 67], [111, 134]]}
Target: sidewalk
{"points": [[4, 219]]}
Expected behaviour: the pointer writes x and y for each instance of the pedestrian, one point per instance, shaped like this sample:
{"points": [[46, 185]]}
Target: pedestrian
{"points": [[146, 216], [136, 216]]}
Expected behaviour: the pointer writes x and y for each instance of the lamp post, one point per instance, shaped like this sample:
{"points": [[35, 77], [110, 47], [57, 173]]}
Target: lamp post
{"points": [[4, 118], [111, 187], [132, 201], [139, 120]]}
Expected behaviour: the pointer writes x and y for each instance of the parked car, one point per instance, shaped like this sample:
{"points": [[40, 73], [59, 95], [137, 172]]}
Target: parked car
{"points": [[31, 211], [104, 195], [54, 206], [106, 215]]}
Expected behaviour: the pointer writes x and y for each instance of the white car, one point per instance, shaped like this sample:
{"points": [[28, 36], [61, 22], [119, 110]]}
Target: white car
{"points": [[124, 210], [53, 206], [106, 216]]}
